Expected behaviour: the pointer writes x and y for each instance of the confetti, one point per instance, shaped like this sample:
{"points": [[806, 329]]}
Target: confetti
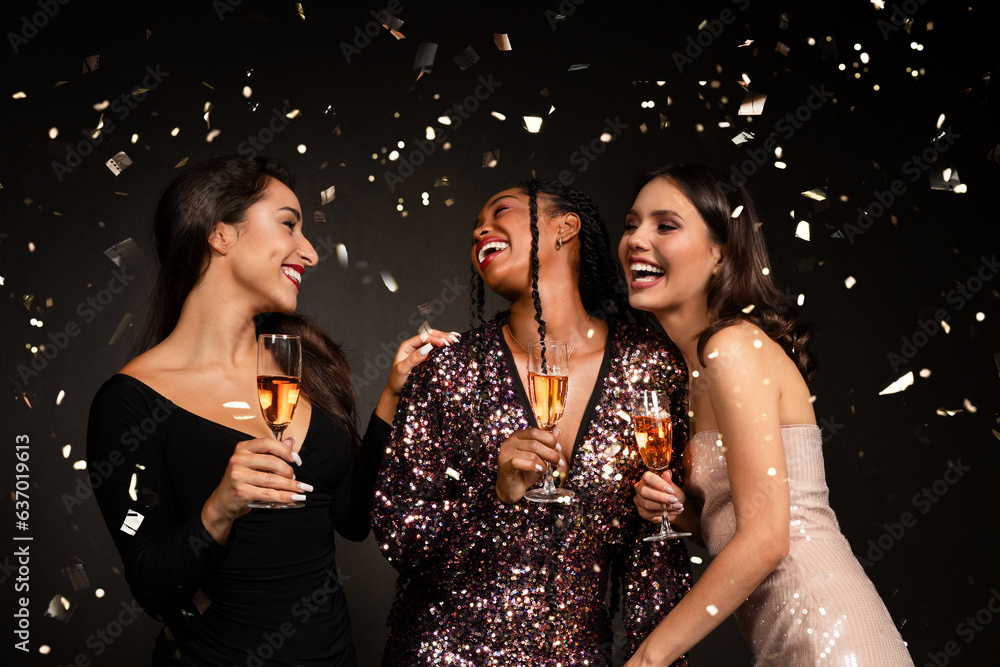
{"points": [[466, 58], [327, 196], [119, 163], [753, 104], [501, 41], [899, 385]]}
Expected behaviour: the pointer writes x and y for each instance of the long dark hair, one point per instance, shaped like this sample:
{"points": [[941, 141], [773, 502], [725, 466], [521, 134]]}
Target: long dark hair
{"points": [[744, 278], [601, 281], [222, 189]]}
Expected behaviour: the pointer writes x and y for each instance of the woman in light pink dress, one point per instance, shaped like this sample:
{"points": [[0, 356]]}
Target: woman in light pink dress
{"points": [[695, 257]]}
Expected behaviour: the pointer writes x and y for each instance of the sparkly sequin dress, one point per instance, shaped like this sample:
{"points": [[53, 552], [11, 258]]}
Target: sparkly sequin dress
{"points": [[485, 583], [817, 607]]}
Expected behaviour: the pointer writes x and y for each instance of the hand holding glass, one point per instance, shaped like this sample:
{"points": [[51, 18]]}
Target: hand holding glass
{"points": [[279, 371], [548, 382], [650, 413]]}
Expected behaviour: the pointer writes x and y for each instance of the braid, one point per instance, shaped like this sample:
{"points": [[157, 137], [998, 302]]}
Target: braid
{"points": [[477, 306], [533, 210]]}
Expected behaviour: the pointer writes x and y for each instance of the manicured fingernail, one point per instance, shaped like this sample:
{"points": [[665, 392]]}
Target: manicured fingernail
{"points": [[293, 475], [290, 441], [305, 488], [561, 463], [559, 448], [667, 489], [297, 458], [425, 349], [456, 334], [539, 468], [297, 496]]}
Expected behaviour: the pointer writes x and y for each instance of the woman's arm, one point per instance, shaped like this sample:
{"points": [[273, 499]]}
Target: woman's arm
{"points": [[166, 560], [745, 402]]}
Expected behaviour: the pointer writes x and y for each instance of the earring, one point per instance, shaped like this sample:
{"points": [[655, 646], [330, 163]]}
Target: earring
{"points": [[559, 242]]}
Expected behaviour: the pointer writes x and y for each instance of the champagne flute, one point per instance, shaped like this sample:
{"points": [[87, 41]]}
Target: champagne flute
{"points": [[650, 413], [279, 371], [548, 381]]}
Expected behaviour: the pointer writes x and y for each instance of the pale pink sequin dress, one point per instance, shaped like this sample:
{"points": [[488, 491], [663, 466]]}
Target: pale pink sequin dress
{"points": [[817, 607]]}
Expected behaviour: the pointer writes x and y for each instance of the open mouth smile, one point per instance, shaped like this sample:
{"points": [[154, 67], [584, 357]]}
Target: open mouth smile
{"points": [[294, 273], [488, 248], [644, 273]]}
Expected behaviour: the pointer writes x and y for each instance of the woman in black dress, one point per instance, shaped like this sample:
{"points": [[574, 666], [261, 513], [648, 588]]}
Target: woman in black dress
{"points": [[179, 429]]}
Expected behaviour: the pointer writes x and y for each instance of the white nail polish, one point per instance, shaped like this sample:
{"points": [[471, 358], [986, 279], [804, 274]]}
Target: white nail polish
{"points": [[298, 496], [297, 458], [539, 468], [305, 488], [425, 349], [455, 333], [559, 448]]}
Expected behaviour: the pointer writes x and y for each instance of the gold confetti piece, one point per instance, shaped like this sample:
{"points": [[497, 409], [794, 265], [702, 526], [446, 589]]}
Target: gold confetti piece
{"points": [[491, 158], [782, 49], [79, 465], [850, 282], [712, 610], [899, 385], [389, 281], [802, 230], [969, 406], [294, 113], [180, 164], [140, 91], [819, 194], [736, 211], [449, 202], [328, 195], [300, 11], [742, 137], [753, 104], [532, 124], [210, 137], [501, 41], [91, 64], [342, 255], [19, 95], [208, 85], [747, 310], [66, 451], [62, 395], [945, 327]]}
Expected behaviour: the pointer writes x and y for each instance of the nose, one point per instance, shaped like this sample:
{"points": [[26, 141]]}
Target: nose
{"points": [[308, 253], [637, 239]]}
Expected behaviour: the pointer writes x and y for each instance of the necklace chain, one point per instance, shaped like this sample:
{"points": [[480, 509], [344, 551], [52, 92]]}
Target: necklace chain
{"points": [[575, 342]]}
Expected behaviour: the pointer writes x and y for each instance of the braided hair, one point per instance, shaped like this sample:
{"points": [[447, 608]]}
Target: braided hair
{"points": [[600, 278]]}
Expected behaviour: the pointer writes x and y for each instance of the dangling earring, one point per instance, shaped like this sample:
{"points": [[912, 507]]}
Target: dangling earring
{"points": [[559, 242]]}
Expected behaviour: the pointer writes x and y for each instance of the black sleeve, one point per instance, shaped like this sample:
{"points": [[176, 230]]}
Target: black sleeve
{"points": [[354, 523], [167, 557]]}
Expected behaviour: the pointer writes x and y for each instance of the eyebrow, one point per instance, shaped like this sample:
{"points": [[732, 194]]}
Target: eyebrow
{"points": [[295, 212], [657, 213]]}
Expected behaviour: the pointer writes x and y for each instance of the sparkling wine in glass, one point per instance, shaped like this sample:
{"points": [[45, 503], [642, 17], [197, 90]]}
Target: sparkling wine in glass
{"points": [[548, 382], [650, 413], [279, 371]]}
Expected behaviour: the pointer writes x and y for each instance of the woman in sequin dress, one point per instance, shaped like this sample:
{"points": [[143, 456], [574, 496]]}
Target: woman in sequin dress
{"points": [[696, 259], [486, 577]]}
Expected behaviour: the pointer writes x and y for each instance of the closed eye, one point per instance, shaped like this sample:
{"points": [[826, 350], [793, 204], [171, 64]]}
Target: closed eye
{"points": [[499, 208], [290, 224]]}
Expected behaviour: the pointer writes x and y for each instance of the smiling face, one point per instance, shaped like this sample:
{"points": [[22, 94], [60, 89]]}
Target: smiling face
{"points": [[501, 243], [269, 253], [666, 252]]}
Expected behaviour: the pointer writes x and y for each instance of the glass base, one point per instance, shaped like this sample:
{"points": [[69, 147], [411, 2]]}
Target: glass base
{"points": [[661, 536], [268, 505], [543, 496]]}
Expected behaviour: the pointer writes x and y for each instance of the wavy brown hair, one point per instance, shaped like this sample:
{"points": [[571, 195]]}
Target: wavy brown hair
{"points": [[742, 280], [222, 189]]}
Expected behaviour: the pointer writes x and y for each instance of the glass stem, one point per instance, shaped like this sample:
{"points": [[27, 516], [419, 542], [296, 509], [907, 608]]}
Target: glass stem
{"points": [[664, 524], [548, 484]]}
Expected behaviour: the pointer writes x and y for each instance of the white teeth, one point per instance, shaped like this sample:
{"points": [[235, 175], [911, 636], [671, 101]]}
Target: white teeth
{"points": [[499, 245], [293, 274], [648, 268]]}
